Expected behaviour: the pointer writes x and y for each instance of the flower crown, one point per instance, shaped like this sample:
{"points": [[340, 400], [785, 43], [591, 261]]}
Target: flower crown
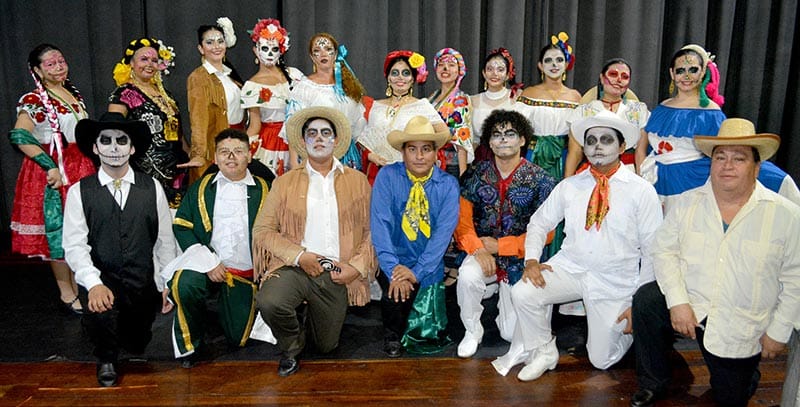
{"points": [[415, 61], [166, 58], [512, 71], [561, 42], [270, 29]]}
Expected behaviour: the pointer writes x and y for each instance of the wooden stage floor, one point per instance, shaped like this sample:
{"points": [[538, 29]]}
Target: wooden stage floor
{"points": [[405, 381]]}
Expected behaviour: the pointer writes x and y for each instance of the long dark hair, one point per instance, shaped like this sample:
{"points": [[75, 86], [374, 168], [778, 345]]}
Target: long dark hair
{"points": [[206, 28]]}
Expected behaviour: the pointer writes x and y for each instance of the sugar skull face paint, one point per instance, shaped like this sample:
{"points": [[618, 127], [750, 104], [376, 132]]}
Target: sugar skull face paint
{"points": [[113, 147], [601, 146], [687, 73], [553, 64], [269, 52], [496, 73], [320, 138], [505, 141], [616, 80]]}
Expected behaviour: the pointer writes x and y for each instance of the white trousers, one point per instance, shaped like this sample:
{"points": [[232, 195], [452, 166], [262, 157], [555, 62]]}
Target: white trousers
{"points": [[606, 344], [470, 290]]}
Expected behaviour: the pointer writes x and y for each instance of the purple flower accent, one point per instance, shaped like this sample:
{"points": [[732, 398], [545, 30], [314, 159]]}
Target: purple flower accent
{"points": [[131, 98]]}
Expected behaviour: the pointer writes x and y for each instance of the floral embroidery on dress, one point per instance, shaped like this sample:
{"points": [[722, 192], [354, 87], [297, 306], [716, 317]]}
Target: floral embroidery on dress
{"points": [[265, 95], [131, 98]]}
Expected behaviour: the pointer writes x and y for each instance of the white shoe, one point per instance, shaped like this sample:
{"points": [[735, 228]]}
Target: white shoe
{"points": [[543, 359], [468, 346], [515, 355]]}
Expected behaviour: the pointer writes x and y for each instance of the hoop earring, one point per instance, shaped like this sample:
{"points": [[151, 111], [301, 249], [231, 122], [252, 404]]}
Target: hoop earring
{"points": [[388, 90], [671, 87]]}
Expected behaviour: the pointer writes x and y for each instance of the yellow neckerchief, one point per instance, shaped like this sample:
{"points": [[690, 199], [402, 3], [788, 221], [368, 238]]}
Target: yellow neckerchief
{"points": [[416, 215], [598, 203]]}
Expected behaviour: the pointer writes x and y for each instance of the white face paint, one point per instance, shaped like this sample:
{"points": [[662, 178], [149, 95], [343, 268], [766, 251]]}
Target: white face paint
{"points": [[505, 141], [553, 64], [269, 52], [113, 147], [320, 139], [601, 146]]}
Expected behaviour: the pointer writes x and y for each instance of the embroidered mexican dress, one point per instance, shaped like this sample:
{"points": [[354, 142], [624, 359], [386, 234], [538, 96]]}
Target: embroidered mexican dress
{"points": [[27, 216], [271, 101], [166, 151]]}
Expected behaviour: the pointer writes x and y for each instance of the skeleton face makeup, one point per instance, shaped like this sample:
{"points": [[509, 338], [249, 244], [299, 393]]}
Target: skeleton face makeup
{"points": [[323, 52], [553, 64], [113, 147], [213, 47], [687, 73], [320, 139], [269, 52], [496, 73], [601, 146], [505, 141]]}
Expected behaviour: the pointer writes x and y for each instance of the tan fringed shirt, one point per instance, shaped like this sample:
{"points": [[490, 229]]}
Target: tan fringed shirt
{"points": [[280, 226]]}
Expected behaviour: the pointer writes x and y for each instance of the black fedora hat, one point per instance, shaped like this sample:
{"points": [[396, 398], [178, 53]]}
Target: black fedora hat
{"points": [[87, 131]]}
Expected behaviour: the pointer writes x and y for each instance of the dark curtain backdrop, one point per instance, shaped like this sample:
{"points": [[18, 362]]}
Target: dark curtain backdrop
{"points": [[757, 45]]}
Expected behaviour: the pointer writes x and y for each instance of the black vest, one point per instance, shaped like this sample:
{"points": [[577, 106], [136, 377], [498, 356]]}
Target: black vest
{"points": [[122, 240]]}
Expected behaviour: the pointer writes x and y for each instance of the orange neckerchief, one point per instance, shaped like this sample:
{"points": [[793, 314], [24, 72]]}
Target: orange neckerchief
{"points": [[598, 202]]}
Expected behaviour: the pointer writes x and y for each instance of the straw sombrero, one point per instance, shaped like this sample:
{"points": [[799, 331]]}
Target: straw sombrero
{"points": [[739, 132], [419, 128]]}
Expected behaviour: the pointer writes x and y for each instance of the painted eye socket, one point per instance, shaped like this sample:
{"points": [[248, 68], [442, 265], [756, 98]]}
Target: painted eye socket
{"points": [[313, 134], [508, 135], [121, 140], [614, 74], [694, 70]]}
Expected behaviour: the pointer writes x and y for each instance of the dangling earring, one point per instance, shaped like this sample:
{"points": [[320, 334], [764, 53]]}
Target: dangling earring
{"points": [[563, 77], [256, 61], [314, 68], [388, 90], [541, 75], [411, 92], [485, 85], [671, 87]]}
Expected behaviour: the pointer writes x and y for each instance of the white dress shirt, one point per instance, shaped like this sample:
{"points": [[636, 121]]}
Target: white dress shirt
{"points": [[75, 237], [322, 213], [230, 236], [746, 280], [611, 256]]}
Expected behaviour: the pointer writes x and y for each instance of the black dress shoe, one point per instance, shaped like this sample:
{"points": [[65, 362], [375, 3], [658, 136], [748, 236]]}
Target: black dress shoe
{"points": [[288, 366], [644, 397], [393, 349], [188, 362], [106, 374]]}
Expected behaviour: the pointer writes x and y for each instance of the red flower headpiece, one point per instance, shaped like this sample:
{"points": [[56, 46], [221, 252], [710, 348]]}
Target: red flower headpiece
{"points": [[512, 71], [270, 29]]}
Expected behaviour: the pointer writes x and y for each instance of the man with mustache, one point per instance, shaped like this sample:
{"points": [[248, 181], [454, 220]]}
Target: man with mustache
{"points": [[611, 216], [114, 223], [498, 197], [311, 240]]}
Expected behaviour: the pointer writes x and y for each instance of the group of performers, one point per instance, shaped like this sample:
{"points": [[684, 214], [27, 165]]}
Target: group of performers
{"points": [[660, 148]]}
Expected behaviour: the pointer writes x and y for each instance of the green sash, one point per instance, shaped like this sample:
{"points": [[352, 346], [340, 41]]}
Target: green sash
{"points": [[427, 321]]}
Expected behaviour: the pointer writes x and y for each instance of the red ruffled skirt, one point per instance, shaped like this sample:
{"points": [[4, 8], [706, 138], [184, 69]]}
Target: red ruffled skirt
{"points": [[272, 151], [27, 216]]}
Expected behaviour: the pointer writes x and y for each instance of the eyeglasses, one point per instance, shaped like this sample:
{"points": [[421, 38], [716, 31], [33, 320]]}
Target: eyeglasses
{"points": [[614, 74], [313, 134], [692, 70], [238, 152], [121, 140], [508, 135]]}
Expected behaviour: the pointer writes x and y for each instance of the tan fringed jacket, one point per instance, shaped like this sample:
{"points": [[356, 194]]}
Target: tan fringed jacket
{"points": [[280, 226], [208, 115]]}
